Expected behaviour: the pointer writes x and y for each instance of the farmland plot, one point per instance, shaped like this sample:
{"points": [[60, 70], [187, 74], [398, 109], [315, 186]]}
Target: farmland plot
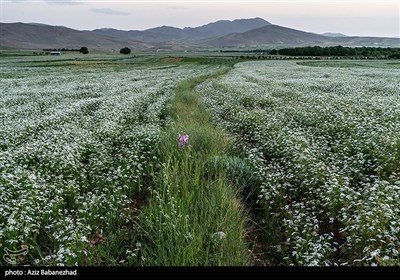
{"points": [[325, 143], [76, 143]]}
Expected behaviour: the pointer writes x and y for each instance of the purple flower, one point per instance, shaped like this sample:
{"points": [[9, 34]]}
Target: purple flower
{"points": [[183, 141]]}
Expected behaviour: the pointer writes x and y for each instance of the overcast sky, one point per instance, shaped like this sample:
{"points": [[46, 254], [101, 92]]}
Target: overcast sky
{"points": [[373, 18]]}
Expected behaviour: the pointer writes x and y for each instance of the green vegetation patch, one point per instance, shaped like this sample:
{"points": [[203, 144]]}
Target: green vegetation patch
{"points": [[194, 216]]}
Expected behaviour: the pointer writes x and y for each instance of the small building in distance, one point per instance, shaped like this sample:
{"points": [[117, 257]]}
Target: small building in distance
{"points": [[55, 53]]}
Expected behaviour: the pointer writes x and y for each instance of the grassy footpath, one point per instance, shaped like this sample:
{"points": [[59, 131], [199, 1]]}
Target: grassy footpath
{"points": [[193, 216]]}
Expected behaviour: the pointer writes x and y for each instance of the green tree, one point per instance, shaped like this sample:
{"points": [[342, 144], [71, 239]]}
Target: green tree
{"points": [[125, 50], [84, 50], [274, 52], [394, 55]]}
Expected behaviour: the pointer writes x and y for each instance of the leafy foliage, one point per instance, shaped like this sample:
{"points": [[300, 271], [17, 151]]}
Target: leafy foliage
{"points": [[84, 50], [125, 50], [339, 51]]}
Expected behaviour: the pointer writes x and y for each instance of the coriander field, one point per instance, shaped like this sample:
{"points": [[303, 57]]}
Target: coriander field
{"points": [[326, 145], [152, 160], [77, 141]]}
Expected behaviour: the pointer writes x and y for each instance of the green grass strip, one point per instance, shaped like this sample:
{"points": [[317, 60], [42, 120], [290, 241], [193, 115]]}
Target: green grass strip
{"points": [[194, 216]]}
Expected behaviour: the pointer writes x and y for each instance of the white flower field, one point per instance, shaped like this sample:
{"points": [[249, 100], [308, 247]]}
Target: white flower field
{"points": [[74, 144], [79, 139], [326, 145]]}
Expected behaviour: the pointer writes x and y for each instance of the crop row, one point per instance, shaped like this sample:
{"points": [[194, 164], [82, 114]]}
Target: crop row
{"points": [[74, 148], [325, 143]]}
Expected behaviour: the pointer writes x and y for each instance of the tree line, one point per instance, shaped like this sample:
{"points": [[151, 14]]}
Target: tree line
{"points": [[340, 51], [327, 51], [84, 50]]}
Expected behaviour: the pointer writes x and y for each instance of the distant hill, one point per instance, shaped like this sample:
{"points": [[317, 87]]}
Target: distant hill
{"points": [[240, 33], [171, 32], [267, 35], [275, 36], [213, 29], [358, 41], [331, 34], [40, 24], [28, 36], [224, 27], [144, 36]]}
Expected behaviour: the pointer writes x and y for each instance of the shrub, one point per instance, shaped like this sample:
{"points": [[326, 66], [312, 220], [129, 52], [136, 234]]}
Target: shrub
{"points": [[239, 172], [125, 50], [84, 50]]}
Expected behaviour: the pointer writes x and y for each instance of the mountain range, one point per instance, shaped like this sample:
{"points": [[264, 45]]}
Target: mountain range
{"points": [[239, 33]]}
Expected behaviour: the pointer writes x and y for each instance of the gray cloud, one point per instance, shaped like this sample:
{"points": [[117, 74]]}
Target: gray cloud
{"points": [[63, 2], [20, 1], [108, 11], [50, 2]]}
